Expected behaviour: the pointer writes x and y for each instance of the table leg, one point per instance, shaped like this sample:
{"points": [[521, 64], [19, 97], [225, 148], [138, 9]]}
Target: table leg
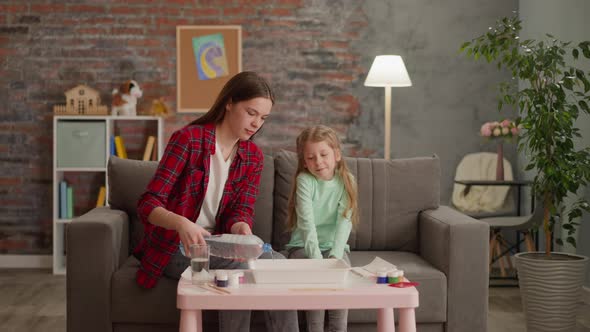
{"points": [[385, 322], [191, 321], [407, 320]]}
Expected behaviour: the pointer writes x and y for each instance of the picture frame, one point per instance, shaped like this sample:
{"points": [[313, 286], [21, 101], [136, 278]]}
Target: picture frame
{"points": [[207, 56]]}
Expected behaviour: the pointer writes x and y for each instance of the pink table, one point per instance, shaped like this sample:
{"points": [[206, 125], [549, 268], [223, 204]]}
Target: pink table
{"points": [[356, 293]]}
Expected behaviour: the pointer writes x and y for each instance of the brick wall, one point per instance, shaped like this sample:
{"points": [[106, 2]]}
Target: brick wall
{"points": [[302, 47]]}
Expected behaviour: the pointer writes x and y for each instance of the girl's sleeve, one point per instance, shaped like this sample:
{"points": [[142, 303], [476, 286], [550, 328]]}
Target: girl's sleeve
{"points": [[305, 217], [343, 228], [171, 166]]}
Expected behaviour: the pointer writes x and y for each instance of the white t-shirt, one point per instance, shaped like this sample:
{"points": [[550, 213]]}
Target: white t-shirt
{"points": [[218, 173]]}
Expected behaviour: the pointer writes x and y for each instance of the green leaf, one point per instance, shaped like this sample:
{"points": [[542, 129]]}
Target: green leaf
{"points": [[464, 45], [575, 53], [571, 240]]}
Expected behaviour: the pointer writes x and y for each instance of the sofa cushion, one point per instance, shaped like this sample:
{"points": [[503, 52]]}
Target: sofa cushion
{"points": [[128, 180], [432, 285], [131, 303], [391, 194]]}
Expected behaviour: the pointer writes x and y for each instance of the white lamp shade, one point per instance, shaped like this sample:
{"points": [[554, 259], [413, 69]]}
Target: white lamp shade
{"points": [[388, 70]]}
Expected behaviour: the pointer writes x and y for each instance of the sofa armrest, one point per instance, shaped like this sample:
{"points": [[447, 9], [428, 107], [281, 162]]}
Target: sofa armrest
{"points": [[458, 245], [97, 244]]}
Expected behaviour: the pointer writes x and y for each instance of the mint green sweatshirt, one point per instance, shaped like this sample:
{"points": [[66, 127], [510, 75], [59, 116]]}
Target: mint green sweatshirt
{"points": [[320, 224]]}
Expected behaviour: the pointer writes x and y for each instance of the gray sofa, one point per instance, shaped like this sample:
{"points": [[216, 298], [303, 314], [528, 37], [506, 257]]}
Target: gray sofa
{"points": [[400, 221]]}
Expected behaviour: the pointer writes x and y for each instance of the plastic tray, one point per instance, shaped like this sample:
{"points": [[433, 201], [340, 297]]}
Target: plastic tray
{"points": [[299, 271]]}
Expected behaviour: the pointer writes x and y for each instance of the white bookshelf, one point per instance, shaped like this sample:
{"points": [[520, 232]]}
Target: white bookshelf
{"points": [[59, 224]]}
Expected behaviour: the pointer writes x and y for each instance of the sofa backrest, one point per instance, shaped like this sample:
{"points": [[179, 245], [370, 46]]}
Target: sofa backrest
{"points": [[391, 194], [128, 180]]}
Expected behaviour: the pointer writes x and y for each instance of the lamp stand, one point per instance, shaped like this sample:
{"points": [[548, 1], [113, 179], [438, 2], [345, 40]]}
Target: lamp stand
{"points": [[387, 122]]}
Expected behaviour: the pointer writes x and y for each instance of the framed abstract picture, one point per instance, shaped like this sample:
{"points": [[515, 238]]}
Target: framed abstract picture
{"points": [[207, 56]]}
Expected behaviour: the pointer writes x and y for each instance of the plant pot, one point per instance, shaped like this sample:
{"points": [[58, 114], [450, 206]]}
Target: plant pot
{"points": [[550, 289]]}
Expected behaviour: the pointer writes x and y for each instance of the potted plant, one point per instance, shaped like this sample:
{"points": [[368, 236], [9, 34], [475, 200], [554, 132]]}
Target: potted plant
{"points": [[554, 95]]}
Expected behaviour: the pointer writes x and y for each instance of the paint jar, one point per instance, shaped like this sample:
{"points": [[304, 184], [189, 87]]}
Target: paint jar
{"points": [[401, 276], [240, 277], [234, 280], [382, 277], [393, 277], [221, 279]]}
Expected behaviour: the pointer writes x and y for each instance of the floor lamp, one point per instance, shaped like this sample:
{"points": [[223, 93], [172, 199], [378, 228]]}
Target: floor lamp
{"points": [[388, 71]]}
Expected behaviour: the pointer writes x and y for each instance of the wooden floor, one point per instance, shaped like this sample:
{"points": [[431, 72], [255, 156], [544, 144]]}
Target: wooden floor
{"points": [[35, 301]]}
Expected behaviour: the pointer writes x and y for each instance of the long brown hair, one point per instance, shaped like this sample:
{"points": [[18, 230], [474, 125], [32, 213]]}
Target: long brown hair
{"points": [[243, 86], [326, 134]]}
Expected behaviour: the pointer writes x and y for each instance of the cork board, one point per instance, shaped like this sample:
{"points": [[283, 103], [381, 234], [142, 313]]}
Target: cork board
{"points": [[203, 69]]}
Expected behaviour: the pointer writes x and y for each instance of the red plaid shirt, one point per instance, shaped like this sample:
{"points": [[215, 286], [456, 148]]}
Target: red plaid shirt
{"points": [[179, 185]]}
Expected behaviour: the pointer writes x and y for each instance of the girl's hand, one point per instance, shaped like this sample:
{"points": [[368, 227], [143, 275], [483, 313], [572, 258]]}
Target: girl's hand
{"points": [[241, 228], [191, 233]]}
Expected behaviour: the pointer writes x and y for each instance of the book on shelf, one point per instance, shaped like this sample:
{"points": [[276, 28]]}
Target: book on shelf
{"points": [[112, 148], [63, 203], [155, 153], [149, 147], [101, 196], [70, 204], [120, 146]]}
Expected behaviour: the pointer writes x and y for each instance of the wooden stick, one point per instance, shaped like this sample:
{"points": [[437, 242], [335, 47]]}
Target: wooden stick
{"points": [[214, 289]]}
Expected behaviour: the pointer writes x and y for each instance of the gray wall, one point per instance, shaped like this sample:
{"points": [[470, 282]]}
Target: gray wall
{"points": [[566, 20], [451, 96]]}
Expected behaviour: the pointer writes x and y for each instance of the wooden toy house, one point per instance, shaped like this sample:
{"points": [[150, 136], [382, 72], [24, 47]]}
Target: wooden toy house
{"points": [[81, 100]]}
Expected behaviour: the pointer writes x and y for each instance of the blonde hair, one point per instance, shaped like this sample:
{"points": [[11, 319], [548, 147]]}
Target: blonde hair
{"points": [[326, 134]]}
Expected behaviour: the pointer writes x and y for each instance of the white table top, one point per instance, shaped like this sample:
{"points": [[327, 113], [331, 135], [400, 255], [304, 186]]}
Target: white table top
{"points": [[355, 293]]}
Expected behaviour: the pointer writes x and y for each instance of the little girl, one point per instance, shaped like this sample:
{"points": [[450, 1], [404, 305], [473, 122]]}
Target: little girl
{"points": [[322, 209]]}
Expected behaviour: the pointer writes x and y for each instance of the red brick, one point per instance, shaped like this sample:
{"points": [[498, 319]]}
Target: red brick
{"points": [[296, 3], [180, 2], [142, 2], [13, 244], [127, 31], [7, 51], [96, 20], [347, 56], [125, 10], [14, 9], [82, 9], [253, 2], [219, 3], [50, 8], [276, 12], [92, 31], [337, 77], [5, 181], [202, 12], [280, 23], [238, 11], [172, 21], [144, 42], [335, 44], [146, 21], [163, 11]]}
